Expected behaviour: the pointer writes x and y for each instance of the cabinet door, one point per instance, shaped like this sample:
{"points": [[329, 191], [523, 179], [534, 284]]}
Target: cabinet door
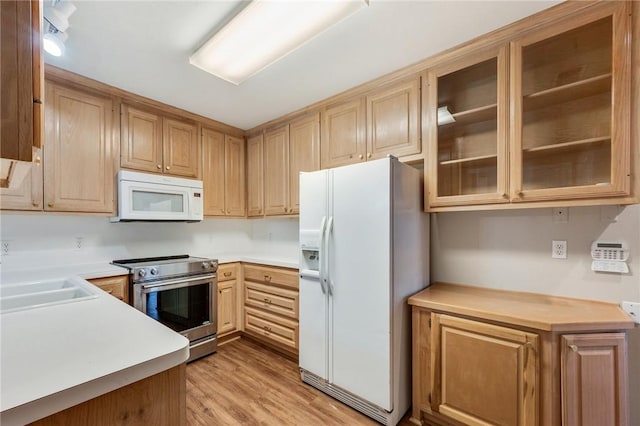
{"points": [[20, 78], [181, 150], [255, 179], [304, 155], [234, 181], [483, 374], [79, 169], [28, 195], [393, 120], [141, 140], [466, 128], [276, 168], [570, 84], [594, 379], [213, 173], [343, 134], [227, 307]]}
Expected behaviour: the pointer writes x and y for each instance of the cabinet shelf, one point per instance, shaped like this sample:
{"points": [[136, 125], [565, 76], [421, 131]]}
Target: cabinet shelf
{"points": [[475, 115], [567, 145], [567, 92], [469, 159]]}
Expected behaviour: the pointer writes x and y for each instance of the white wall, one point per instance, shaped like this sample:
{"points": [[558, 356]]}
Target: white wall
{"points": [[512, 250], [53, 237]]}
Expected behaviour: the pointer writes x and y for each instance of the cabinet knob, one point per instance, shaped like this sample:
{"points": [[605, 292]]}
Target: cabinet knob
{"points": [[259, 210], [35, 203], [504, 195], [37, 160], [110, 291], [267, 278], [360, 156], [350, 156], [50, 204], [159, 166], [228, 211], [368, 155], [573, 348], [168, 168]]}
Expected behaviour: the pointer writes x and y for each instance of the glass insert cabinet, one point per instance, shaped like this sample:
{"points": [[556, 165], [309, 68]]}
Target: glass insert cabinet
{"points": [[544, 117]]}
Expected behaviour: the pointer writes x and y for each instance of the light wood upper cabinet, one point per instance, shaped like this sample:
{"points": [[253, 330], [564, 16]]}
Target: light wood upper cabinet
{"points": [[570, 100], [482, 373], [466, 161], [276, 167], [223, 174], [28, 195], [343, 134], [213, 172], [181, 150], [255, 182], [304, 155], [79, 170], [21, 78], [594, 384], [151, 142], [141, 144], [393, 120], [235, 176]]}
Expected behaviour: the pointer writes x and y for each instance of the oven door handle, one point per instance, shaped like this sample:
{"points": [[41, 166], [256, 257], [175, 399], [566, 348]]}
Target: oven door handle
{"points": [[176, 283]]}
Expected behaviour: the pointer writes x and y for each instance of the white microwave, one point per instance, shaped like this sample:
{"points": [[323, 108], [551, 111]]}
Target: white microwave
{"points": [[149, 197]]}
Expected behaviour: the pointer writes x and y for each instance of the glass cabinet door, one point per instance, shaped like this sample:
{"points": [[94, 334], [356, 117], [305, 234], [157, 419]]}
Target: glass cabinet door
{"points": [[570, 86], [466, 117]]}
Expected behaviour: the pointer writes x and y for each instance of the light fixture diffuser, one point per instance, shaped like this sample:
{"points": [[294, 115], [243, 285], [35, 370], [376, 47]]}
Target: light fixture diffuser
{"points": [[266, 31]]}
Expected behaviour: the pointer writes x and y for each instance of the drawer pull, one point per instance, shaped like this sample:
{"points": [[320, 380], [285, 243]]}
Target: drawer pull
{"points": [[267, 301], [227, 274], [266, 327], [267, 278]]}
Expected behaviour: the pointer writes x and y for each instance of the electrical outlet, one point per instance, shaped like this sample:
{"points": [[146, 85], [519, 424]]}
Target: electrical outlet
{"points": [[5, 248], [560, 214], [78, 244], [632, 309], [559, 249]]}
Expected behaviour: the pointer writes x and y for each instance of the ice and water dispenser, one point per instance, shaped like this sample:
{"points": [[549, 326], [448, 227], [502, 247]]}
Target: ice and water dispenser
{"points": [[310, 247]]}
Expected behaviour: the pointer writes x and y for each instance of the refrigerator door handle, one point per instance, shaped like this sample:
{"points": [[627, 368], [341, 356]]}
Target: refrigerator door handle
{"points": [[323, 227], [327, 235]]}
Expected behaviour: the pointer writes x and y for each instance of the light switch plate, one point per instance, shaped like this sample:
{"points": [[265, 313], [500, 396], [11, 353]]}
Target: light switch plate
{"points": [[632, 309]]}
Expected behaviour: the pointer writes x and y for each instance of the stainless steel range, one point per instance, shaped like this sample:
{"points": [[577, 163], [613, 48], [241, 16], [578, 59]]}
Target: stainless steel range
{"points": [[181, 293]]}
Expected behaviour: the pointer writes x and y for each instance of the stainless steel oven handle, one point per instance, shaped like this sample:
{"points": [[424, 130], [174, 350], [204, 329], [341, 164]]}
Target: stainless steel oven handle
{"points": [[177, 283]]}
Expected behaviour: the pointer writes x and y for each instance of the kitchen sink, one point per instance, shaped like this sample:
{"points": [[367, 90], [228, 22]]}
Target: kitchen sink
{"points": [[19, 297]]}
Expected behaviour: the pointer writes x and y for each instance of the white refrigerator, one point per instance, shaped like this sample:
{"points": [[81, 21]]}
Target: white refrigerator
{"points": [[364, 248]]}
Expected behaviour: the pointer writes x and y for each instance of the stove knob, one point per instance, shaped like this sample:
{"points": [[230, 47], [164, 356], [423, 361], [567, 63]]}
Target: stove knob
{"points": [[213, 264], [205, 265], [154, 271], [142, 273]]}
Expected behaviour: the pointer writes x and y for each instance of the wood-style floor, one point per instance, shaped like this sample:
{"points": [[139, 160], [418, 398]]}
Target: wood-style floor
{"points": [[247, 384]]}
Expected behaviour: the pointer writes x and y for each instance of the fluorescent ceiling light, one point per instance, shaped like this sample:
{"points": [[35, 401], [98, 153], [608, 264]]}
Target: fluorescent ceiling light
{"points": [[444, 116], [266, 31]]}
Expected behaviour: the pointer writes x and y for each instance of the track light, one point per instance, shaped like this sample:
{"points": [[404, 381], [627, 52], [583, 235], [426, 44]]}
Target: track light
{"points": [[56, 22]]}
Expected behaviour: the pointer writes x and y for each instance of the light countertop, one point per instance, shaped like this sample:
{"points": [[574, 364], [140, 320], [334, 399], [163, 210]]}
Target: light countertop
{"points": [[58, 356], [537, 311], [84, 270], [259, 259]]}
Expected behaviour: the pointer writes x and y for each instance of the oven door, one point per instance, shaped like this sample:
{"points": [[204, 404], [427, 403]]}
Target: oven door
{"points": [[186, 305]]}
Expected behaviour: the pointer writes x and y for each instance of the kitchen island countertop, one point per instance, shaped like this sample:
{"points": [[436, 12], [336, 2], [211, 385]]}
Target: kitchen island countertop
{"points": [[58, 356]]}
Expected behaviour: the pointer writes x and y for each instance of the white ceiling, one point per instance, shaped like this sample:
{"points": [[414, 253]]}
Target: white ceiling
{"points": [[143, 47]]}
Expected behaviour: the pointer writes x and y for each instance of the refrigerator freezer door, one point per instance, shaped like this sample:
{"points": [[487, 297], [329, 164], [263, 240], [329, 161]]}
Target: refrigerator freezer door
{"points": [[313, 297], [359, 272]]}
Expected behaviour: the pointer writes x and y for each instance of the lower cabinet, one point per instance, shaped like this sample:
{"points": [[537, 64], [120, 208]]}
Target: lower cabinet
{"points": [[228, 312], [117, 286], [489, 357], [271, 306], [483, 373]]}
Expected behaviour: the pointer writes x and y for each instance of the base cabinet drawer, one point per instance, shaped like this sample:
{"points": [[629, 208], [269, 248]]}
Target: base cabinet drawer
{"points": [[273, 299], [270, 275], [278, 330], [228, 272], [118, 286]]}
